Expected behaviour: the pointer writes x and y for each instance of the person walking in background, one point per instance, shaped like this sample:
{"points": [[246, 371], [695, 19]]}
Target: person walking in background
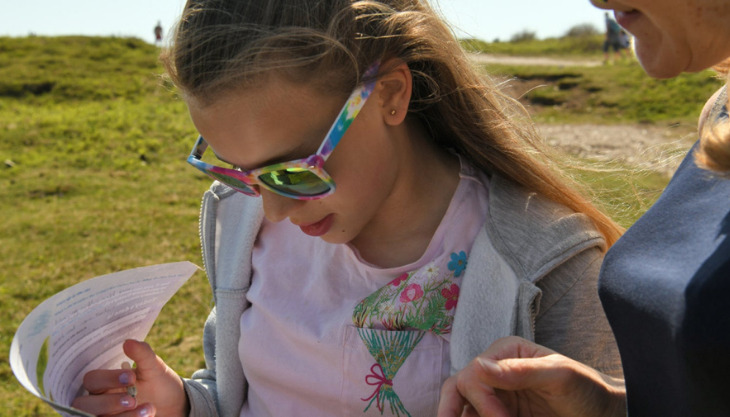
{"points": [[158, 33], [612, 41], [378, 218], [665, 285], [625, 40]]}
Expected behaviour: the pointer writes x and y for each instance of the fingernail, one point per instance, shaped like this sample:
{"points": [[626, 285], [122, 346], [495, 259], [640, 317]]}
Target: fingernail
{"points": [[125, 378], [490, 366], [144, 411], [127, 402]]}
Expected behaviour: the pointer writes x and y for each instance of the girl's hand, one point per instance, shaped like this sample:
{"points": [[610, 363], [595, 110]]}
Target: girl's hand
{"points": [[159, 389], [515, 377]]}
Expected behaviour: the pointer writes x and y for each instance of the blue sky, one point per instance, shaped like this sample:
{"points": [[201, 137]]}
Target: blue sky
{"points": [[484, 19]]}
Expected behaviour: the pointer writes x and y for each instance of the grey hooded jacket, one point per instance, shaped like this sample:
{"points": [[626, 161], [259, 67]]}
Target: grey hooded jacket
{"points": [[534, 261]]}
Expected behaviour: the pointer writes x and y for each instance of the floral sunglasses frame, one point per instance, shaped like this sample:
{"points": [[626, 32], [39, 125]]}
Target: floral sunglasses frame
{"points": [[301, 179]]}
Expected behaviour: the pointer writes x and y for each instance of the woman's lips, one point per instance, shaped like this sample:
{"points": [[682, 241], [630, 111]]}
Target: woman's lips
{"points": [[319, 228], [626, 18]]}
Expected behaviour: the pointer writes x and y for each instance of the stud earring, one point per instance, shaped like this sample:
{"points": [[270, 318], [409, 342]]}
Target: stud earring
{"points": [[392, 112]]}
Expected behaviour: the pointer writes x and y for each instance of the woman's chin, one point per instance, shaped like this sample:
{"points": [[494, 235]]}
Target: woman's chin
{"points": [[655, 64]]}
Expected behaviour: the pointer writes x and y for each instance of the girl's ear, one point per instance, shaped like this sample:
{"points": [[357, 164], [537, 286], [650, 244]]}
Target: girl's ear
{"points": [[394, 90]]}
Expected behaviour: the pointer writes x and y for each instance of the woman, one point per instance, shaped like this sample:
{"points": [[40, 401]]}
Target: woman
{"points": [[664, 285]]}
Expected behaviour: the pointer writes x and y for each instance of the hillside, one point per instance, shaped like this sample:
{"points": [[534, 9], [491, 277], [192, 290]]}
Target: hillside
{"points": [[94, 180]]}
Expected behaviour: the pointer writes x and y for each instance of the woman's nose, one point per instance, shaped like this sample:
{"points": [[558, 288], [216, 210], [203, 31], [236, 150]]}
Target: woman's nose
{"points": [[277, 207]]}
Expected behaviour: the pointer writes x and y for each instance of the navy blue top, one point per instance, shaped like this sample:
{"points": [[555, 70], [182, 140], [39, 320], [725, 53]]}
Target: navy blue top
{"points": [[665, 287]]}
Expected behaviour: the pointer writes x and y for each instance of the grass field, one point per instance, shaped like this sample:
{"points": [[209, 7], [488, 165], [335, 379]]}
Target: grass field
{"points": [[94, 180], [573, 47], [619, 93], [99, 183]]}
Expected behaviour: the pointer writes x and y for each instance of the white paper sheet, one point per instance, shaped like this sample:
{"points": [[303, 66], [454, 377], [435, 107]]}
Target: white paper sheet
{"points": [[83, 327]]}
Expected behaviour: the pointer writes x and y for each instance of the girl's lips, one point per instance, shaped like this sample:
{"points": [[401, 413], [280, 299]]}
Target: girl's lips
{"points": [[319, 228], [626, 18]]}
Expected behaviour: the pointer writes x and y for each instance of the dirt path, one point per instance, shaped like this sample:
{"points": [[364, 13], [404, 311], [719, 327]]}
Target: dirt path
{"points": [[655, 148], [533, 60]]}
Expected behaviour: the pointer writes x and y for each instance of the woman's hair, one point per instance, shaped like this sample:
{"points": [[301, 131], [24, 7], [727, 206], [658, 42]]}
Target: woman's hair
{"points": [[226, 45], [714, 150]]}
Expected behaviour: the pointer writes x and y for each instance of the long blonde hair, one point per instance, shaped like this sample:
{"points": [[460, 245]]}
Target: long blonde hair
{"points": [[714, 150], [222, 45]]}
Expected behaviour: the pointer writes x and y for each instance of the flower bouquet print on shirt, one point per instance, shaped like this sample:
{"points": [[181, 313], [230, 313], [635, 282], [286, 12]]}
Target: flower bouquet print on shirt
{"points": [[410, 306]]}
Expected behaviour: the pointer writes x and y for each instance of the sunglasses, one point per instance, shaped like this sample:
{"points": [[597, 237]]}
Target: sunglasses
{"points": [[301, 179]]}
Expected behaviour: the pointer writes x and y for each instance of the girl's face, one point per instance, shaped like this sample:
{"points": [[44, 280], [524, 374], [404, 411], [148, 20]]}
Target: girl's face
{"points": [[672, 36], [281, 121]]}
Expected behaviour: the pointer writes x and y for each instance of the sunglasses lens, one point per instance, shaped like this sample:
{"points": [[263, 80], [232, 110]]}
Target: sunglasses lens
{"points": [[295, 182], [233, 182]]}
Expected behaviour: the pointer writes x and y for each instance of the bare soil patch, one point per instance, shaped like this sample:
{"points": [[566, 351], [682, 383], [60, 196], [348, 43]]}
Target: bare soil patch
{"points": [[655, 148], [533, 60], [643, 146]]}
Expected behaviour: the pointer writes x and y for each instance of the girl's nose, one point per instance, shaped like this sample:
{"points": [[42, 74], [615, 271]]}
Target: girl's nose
{"points": [[277, 207]]}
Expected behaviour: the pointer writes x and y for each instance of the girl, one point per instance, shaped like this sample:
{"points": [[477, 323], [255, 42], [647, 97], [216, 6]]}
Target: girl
{"points": [[419, 193], [664, 285]]}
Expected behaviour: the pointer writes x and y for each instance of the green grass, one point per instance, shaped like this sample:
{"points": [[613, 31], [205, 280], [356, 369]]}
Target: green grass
{"points": [[568, 47], [42, 70], [98, 184], [624, 193], [96, 180], [617, 93], [620, 93]]}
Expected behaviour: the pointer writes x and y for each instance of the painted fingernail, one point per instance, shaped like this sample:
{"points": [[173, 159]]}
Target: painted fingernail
{"points": [[127, 402], [144, 411], [125, 378]]}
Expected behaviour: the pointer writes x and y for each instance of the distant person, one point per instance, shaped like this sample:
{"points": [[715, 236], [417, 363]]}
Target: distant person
{"points": [[613, 39], [625, 40], [665, 285], [339, 247], [158, 33]]}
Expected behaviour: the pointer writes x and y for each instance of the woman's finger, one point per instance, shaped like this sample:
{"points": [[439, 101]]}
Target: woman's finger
{"points": [[553, 371], [451, 403], [465, 394], [483, 401]]}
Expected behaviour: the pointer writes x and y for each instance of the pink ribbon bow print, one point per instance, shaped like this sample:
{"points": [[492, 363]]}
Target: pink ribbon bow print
{"points": [[377, 380]]}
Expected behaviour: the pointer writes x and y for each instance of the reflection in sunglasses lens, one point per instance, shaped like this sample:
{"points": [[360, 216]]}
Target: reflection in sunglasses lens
{"points": [[295, 181]]}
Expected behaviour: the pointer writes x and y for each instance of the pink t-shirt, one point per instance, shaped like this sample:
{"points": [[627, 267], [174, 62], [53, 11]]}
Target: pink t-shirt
{"points": [[328, 334]]}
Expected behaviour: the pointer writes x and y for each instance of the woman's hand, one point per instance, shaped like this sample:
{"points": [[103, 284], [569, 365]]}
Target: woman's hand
{"points": [[515, 377], [159, 389]]}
